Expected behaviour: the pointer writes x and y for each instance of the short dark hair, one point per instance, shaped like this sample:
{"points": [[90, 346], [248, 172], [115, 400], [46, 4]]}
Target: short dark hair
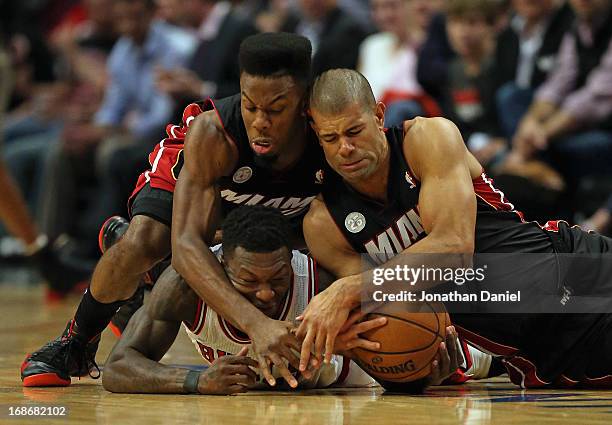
{"points": [[256, 229], [335, 89], [276, 55]]}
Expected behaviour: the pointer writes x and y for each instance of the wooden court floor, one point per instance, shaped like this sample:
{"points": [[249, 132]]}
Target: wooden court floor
{"points": [[27, 323]]}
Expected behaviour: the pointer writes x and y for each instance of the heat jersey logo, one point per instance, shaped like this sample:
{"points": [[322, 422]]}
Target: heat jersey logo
{"points": [[402, 233], [355, 222], [242, 174], [287, 205], [319, 177]]}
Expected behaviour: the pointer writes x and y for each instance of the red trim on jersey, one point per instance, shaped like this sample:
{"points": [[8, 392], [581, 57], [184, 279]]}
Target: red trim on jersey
{"points": [[196, 320], [203, 318], [564, 381], [288, 301], [231, 139], [314, 279], [166, 154], [485, 344], [604, 381], [484, 189], [346, 368], [231, 332], [456, 378], [466, 354], [523, 373]]}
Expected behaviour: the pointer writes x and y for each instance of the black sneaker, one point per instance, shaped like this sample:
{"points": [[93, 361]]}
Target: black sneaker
{"points": [[58, 360], [111, 231]]}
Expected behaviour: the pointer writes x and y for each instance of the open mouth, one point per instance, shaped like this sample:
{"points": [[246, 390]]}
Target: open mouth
{"points": [[261, 145]]}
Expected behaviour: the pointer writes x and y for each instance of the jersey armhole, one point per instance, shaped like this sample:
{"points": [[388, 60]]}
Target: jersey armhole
{"points": [[405, 134], [228, 137]]}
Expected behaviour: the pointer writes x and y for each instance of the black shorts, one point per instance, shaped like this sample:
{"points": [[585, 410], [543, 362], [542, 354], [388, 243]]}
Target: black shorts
{"points": [[562, 349], [154, 203]]}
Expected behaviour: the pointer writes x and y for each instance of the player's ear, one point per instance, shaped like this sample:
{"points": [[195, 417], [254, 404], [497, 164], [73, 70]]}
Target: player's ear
{"points": [[311, 122], [379, 112]]}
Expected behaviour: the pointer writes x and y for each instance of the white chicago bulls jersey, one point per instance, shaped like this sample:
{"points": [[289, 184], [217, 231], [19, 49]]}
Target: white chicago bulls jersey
{"points": [[214, 337]]}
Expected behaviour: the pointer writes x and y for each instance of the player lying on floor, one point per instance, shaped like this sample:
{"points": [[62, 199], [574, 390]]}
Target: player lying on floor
{"points": [[257, 259]]}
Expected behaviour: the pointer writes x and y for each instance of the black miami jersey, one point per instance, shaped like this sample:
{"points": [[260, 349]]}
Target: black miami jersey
{"points": [[249, 183], [373, 228]]}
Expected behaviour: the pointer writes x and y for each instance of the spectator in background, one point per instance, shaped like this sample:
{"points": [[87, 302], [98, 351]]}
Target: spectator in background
{"points": [[571, 116], [272, 17], [525, 53], [468, 100], [434, 56], [388, 58], [81, 49], [335, 36], [213, 69], [436, 52], [133, 111]]}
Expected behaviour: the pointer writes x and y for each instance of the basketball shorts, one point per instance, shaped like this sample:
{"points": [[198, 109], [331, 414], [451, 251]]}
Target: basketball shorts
{"points": [[152, 202], [571, 349]]}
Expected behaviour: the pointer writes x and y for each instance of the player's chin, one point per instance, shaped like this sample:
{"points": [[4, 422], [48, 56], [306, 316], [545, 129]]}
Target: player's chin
{"points": [[266, 159]]}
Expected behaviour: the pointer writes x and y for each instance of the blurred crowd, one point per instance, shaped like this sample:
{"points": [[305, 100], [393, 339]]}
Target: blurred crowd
{"points": [[91, 85]]}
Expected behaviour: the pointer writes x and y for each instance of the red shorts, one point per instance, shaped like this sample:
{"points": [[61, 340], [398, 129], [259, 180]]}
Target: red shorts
{"points": [[166, 160]]}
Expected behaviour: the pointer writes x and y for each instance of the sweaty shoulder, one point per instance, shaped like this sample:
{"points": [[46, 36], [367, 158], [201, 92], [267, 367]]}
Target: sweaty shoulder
{"points": [[207, 143], [432, 141]]}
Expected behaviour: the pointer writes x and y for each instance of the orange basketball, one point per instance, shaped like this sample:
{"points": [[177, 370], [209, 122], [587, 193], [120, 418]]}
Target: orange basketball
{"points": [[408, 342]]}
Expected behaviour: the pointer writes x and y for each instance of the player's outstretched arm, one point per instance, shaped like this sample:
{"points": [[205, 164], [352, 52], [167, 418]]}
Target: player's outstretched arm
{"points": [[209, 155], [133, 366]]}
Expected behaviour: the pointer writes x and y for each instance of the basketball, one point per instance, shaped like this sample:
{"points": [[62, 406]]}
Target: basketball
{"points": [[408, 342]]}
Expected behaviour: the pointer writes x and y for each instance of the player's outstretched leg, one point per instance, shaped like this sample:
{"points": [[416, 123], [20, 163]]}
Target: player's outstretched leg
{"points": [[114, 281]]}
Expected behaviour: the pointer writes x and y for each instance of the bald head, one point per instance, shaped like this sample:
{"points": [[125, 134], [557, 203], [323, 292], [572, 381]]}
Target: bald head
{"points": [[336, 89]]}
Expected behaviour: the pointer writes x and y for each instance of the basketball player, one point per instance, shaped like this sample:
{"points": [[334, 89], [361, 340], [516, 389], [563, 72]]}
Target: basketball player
{"points": [[420, 185], [257, 257], [252, 148]]}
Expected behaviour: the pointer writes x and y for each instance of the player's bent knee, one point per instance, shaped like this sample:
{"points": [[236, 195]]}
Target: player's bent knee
{"points": [[146, 241]]}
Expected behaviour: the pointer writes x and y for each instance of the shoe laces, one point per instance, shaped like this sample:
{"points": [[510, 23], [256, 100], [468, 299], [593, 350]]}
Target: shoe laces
{"points": [[62, 350]]}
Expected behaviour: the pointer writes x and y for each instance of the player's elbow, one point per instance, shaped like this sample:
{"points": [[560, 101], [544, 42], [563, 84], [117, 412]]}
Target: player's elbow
{"points": [[110, 378], [460, 245], [456, 243], [182, 247]]}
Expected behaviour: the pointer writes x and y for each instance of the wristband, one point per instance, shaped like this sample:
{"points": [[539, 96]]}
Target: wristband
{"points": [[190, 385]]}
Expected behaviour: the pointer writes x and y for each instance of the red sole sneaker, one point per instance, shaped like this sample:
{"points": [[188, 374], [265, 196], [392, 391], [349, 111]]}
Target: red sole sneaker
{"points": [[45, 380]]}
